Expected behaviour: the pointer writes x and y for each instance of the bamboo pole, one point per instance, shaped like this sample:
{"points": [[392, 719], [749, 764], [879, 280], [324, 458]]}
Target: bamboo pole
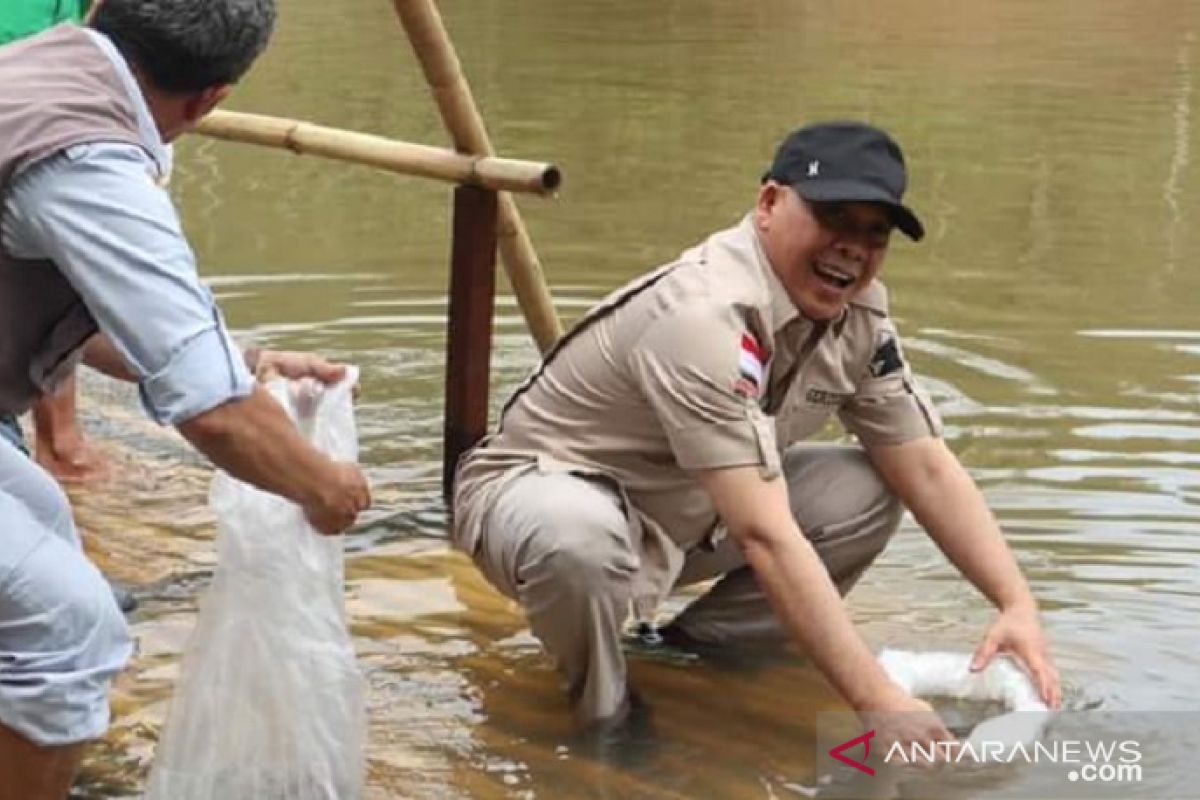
{"points": [[388, 154], [443, 73]]}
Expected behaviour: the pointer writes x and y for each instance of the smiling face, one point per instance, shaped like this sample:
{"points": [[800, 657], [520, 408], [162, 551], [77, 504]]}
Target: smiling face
{"points": [[823, 253]]}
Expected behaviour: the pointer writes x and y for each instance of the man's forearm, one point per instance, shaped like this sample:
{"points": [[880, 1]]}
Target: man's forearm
{"points": [[100, 354], [808, 604], [253, 439], [949, 506], [796, 583], [958, 520]]}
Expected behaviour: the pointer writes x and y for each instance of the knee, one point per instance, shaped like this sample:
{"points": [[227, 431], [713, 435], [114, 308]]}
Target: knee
{"points": [[567, 533], [830, 485], [884, 524], [875, 511], [881, 505], [587, 560], [95, 634], [60, 647], [891, 511]]}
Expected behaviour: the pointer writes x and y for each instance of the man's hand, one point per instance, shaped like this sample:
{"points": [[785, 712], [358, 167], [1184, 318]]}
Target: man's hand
{"points": [[898, 717], [346, 494], [253, 439], [931, 482], [1018, 631], [294, 365]]}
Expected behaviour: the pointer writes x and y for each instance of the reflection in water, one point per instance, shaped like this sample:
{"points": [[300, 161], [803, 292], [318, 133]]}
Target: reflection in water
{"points": [[1051, 311], [1180, 152]]}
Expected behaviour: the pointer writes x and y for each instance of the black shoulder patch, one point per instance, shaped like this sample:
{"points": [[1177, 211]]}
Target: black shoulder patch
{"points": [[886, 359]]}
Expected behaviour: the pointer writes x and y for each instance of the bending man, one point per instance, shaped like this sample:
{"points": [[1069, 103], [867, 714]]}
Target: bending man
{"points": [[661, 443], [90, 242]]}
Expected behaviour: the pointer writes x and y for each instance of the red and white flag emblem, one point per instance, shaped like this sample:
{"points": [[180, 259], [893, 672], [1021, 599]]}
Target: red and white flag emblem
{"points": [[751, 367]]}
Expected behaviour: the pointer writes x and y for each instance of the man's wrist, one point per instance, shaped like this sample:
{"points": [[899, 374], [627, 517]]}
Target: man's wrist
{"points": [[1021, 605], [873, 690], [876, 696]]}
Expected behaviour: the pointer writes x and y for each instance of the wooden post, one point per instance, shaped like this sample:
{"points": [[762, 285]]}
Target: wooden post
{"points": [[469, 337]]}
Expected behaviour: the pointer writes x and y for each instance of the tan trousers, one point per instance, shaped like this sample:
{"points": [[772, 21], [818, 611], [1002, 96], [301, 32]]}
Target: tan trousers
{"points": [[560, 545]]}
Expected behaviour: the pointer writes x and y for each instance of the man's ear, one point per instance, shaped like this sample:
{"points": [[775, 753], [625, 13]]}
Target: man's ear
{"points": [[769, 195], [197, 106]]}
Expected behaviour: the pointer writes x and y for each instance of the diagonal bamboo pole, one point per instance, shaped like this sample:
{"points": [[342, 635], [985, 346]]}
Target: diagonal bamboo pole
{"points": [[443, 72]]}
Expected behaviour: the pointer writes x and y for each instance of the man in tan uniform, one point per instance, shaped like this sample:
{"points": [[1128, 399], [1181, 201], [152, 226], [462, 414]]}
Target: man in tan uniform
{"points": [[658, 445]]}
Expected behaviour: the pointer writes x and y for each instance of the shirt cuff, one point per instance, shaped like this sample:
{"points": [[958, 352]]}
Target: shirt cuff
{"points": [[207, 371], [892, 420]]}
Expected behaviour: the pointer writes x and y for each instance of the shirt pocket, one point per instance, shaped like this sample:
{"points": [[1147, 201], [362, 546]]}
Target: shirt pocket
{"points": [[800, 419]]}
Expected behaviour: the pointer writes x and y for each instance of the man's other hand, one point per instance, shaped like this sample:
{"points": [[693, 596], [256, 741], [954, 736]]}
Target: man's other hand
{"points": [[294, 365], [899, 718], [1018, 631]]}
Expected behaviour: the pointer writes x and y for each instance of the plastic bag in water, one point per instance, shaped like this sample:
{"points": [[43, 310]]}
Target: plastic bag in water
{"points": [[949, 675], [269, 704]]}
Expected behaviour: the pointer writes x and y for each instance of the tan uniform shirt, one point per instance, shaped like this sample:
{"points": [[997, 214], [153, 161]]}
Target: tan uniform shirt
{"points": [[701, 364]]}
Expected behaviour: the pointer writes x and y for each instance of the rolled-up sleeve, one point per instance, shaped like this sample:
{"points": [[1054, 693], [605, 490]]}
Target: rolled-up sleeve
{"points": [[889, 407], [97, 213], [687, 366]]}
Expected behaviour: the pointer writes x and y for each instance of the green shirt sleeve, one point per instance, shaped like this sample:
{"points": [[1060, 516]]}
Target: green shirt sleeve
{"points": [[21, 18]]}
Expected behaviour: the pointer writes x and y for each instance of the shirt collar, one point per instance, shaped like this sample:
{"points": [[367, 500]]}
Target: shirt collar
{"points": [[783, 311], [159, 150], [781, 307]]}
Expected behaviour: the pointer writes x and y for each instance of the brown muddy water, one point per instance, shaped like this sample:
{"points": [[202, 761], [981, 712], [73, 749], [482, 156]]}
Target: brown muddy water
{"points": [[1052, 312]]}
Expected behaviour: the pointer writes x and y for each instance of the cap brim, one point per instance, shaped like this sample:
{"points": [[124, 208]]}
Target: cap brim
{"points": [[857, 192]]}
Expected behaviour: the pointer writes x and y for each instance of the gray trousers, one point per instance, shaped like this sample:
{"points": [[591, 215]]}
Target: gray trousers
{"points": [[560, 545]]}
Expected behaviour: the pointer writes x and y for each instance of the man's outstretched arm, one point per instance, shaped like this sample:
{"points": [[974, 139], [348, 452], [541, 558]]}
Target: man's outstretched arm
{"points": [[253, 439], [806, 601], [932, 483]]}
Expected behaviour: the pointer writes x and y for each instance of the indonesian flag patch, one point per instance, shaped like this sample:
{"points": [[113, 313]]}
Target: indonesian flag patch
{"points": [[751, 368]]}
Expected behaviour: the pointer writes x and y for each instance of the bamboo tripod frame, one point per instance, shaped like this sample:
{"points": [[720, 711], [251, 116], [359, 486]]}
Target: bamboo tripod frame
{"points": [[392, 155], [443, 72]]}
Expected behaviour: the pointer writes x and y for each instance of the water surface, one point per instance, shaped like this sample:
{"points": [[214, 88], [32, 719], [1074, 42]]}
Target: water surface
{"points": [[1051, 311]]}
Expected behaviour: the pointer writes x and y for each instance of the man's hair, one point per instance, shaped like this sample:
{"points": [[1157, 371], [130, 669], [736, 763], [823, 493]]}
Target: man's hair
{"points": [[188, 45]]}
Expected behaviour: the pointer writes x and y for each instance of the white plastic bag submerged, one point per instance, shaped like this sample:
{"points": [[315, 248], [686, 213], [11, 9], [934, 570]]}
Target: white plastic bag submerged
{"points": [[949, 675], [269, 705]]}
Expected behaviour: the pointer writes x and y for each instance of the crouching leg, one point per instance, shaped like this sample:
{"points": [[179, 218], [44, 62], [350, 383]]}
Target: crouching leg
{"points": [[62, 639]]}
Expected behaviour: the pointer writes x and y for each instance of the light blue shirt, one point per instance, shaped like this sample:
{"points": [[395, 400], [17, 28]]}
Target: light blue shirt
{"points": [[100, 213]]}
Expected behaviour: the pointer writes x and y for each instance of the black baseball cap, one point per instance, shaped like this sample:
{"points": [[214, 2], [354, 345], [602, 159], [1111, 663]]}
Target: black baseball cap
{"points": [[846, 162]]}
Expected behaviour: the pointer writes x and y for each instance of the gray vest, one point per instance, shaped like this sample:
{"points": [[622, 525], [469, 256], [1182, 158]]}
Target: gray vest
{"points": [[59, 90]]}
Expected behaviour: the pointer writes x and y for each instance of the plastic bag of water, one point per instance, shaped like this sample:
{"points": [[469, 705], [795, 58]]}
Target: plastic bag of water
{"points": [[269, 704]]}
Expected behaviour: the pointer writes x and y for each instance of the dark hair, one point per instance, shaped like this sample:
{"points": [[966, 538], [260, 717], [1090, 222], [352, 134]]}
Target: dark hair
{"points": [[188, 45]]}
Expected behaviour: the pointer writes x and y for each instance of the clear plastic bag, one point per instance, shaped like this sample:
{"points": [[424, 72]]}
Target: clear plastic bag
{"points": [[949, 675], [269, 705]]}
